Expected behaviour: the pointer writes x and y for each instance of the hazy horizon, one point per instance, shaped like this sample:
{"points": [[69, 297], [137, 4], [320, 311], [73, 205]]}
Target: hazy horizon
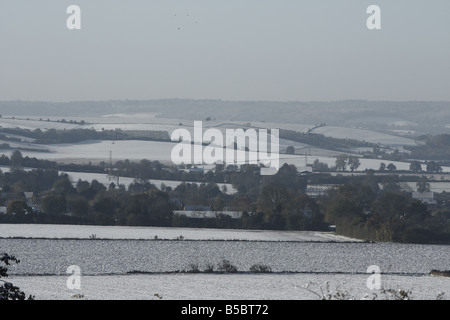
{"points": [[223, 100], [250, 50]]}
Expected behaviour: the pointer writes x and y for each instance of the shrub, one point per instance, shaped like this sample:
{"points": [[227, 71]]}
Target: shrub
{"points": [[260, 268], [226, 266], [209, 268], [193, 268]]}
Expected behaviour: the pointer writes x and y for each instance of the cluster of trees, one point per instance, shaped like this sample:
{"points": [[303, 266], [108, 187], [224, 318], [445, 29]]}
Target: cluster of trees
{"points": [[53, 136], [358, 207], [321, 141], [432, 148], [146, 169], [17, 161], [342, 161], [431, 167], [267, 202], [88, 202], [389, 167], [37, 181], [141, 170], [361, 210], [81, 122], [387, 153], [282, 208]]}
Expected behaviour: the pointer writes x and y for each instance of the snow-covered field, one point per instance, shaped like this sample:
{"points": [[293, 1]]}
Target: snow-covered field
{"points": [[97, 150], [134, 150], [141, 121], [228, 286], [150, 121], [363, 135], [33, 123], [107, 265], [124, 232]]}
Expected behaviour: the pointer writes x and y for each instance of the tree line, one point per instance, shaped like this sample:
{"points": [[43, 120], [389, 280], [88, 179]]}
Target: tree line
{"points": [[267, 202], [53, 136], [369, 207], [362, 210], [432, 148]]}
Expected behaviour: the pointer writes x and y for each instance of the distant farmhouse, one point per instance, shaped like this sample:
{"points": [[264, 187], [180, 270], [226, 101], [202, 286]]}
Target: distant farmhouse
{"points": [[7, 197]]}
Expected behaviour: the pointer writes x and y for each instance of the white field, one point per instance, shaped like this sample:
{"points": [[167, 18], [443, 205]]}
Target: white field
{"points": [[141, 121], [228, 286], [34, 123], [147, 233], [277, 286], [134, 150], [363, 135], [149, 121], [96, 150]]}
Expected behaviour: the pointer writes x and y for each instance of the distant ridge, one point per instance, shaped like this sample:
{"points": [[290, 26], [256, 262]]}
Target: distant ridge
{"points": [[422, 116]]}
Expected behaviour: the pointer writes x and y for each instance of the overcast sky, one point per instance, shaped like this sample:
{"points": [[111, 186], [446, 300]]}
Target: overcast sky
{"points": [[281, 50]]}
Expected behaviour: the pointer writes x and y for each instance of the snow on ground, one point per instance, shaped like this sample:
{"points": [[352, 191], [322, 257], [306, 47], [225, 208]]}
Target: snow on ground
{"points": [[150, 122], [363, 135], [227, 286], [137, 121], [134, 150], [125, 232], [33, 123]]}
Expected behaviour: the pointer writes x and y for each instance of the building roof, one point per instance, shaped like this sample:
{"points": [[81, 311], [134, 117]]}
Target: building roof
{"points": [[423, 195], [197, 208]]}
